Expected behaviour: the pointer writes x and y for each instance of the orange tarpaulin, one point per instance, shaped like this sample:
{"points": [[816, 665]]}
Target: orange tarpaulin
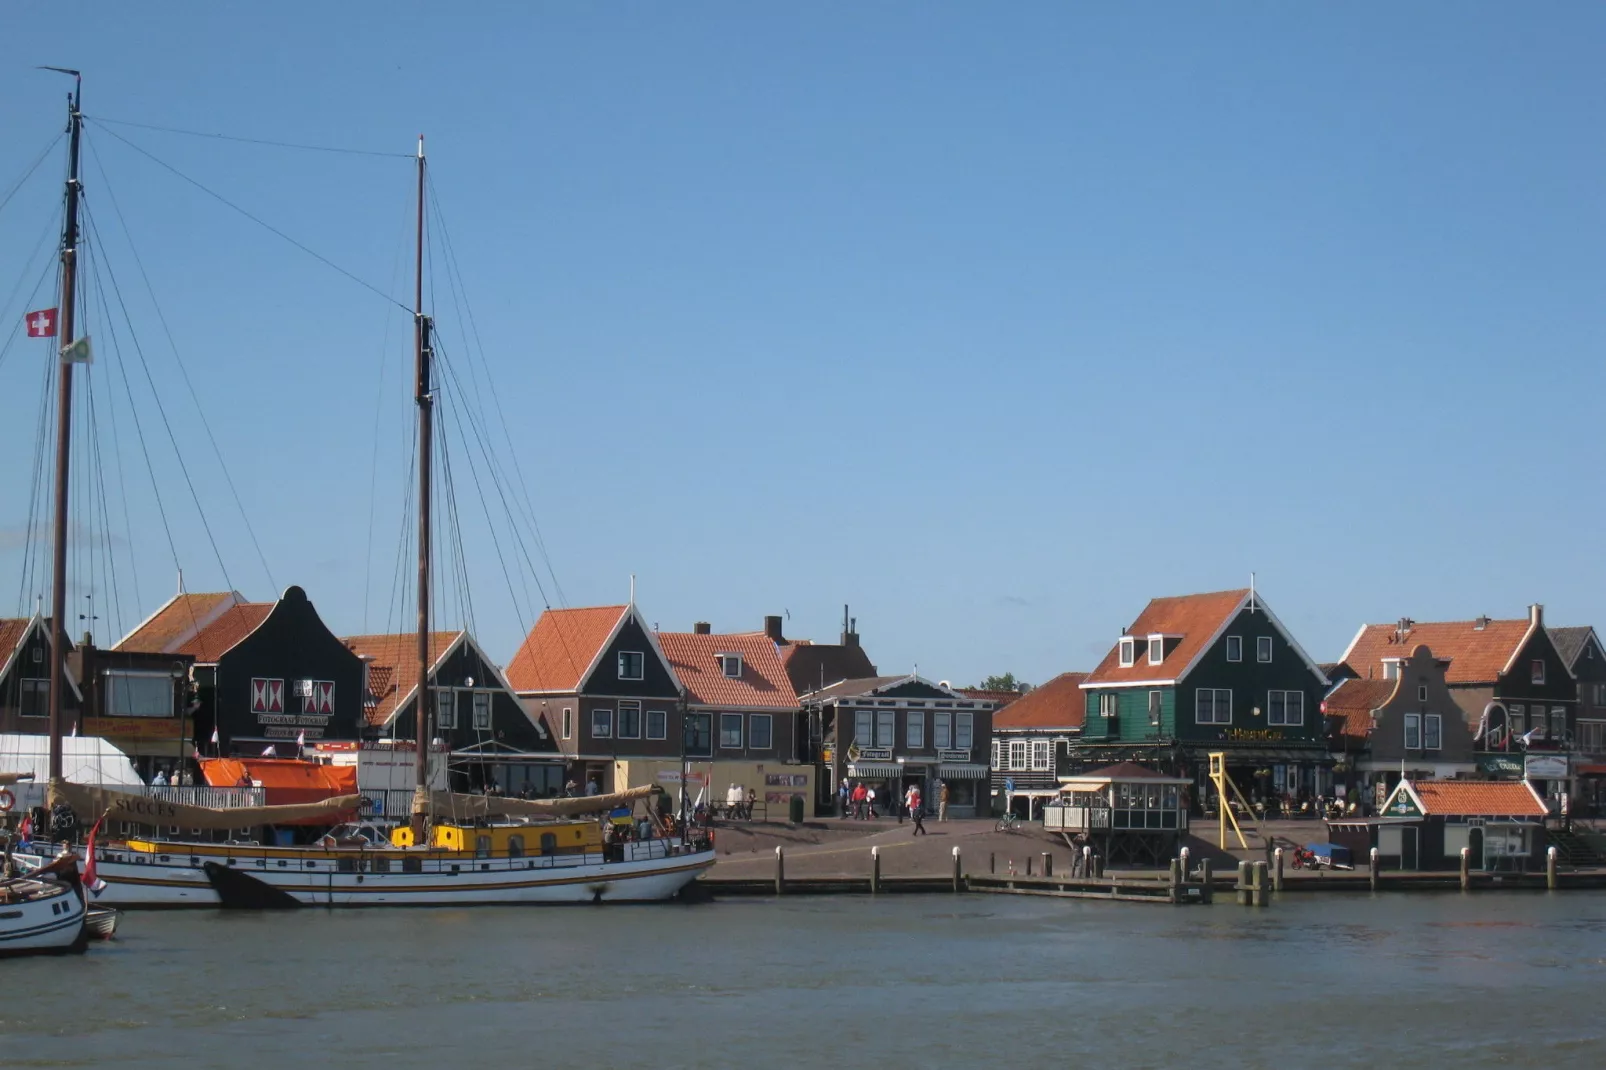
{"points": [[284, 781]]}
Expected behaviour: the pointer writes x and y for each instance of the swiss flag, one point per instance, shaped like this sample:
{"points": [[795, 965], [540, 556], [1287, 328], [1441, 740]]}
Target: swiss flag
{"points": [[41, 324]]}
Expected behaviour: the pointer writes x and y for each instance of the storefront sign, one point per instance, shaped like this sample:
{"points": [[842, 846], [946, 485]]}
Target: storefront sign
{"points": [[132, 727], [953, 756], [1545, 767], [874, 754], [1253, 735], [1500, 764], [674, 776]]}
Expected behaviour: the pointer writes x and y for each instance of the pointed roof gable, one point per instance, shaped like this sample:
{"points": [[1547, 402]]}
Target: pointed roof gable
{"points": [[563, 649], [1571, 643], [390, 657], [1353, 702], [1464, 798], [763, 683], [14, 632], [1058, 704], [1478, 651], [177, 622]]}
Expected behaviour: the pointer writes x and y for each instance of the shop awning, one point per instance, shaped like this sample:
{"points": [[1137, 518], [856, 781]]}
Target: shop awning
{"points": [[875, 770], [964, 771], [1593, 769]]}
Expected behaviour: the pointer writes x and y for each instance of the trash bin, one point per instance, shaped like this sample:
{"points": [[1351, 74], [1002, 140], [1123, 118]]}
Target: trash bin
{"points": [[796, 810]]}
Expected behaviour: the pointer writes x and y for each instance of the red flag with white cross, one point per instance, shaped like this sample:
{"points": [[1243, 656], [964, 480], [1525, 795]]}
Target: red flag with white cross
{"points": [[41, 324]]}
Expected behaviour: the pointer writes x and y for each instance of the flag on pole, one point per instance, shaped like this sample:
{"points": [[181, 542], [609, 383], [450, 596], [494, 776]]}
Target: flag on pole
{"points": [[91, 880], [301, 738], [268, 751], [78, 352], [214, 737], [25, 830], [41, 324]]}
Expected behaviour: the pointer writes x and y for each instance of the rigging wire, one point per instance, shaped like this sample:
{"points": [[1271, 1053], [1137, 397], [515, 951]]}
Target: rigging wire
{"points": [[51, 224], [255, 219], [26, 175], [40, 470], [249, 140], [184, 372]]}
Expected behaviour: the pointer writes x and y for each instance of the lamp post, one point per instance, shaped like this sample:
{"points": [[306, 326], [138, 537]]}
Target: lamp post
{"points": [[183, 711]]}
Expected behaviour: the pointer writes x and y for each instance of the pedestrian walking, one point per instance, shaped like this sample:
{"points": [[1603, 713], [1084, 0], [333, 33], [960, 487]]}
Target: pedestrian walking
{"points": [[942, 802], [844, 793], [860, 792], [869, 801], [917, 813]]}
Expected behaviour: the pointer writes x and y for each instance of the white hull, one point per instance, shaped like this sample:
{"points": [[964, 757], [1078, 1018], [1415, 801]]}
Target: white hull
{"points": [[317, 879], [51, 924]]}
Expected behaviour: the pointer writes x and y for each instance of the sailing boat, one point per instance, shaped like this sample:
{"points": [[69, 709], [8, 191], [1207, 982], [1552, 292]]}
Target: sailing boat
{"points": [[456, 849]]}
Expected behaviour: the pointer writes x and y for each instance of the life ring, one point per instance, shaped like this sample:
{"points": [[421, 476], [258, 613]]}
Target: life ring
{"points": [[7, 801]]}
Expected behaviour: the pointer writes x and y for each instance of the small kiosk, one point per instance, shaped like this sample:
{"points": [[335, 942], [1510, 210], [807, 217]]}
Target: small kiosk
{"points": [[1126, 812], [1424, 824]]}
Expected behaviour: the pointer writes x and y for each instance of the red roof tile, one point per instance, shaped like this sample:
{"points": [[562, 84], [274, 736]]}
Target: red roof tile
{"points": [[762, 685], [1354, 701], [1001, 698], [12, 629], [170, 627], [1194, 617], [1478, 798], [1056, 704], [224, 633], [1476, 655], [561, 646], [392, 668]]}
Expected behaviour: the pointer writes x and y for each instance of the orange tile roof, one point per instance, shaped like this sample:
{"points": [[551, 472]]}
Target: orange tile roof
{"points": [[561, 646], [1354, 701], [1195, 617], [177, 622], [12, 629], [762, 685], [1478, 798], [223, 634], [1002, 698], [1056, 704], [392, 668], [1476, 655]]}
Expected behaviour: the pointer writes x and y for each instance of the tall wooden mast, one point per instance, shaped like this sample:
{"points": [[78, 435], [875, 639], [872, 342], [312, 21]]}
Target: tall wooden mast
{"points": [[425, 705], [69, 287]]}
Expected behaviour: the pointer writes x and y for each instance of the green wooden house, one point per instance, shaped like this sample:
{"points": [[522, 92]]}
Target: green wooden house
{"points": [[1210, 672]]}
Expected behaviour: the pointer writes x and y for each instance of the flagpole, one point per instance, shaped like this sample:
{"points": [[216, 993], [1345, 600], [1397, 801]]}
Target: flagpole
{"points": [[424, 706]]}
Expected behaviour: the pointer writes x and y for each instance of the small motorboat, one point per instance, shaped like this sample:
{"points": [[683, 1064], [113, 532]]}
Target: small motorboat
{"points": [[43, 912], [101, 922]]}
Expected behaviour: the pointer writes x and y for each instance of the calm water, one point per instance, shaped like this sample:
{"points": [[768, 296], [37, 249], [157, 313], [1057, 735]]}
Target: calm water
{"points": [[920, 981]]}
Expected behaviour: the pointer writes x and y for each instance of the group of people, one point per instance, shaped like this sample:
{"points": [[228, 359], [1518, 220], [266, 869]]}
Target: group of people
{"points": [[858, 801]]}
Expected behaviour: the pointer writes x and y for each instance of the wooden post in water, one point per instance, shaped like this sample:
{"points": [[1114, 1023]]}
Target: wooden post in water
{"points": [[1466, 869], [1028, 865], [1277, 874], [875, 870], [1376, 867], [1048, 864], [1243, 884], [1207, 893], [1176, 880], [1550, 868], [1262, 891], [992, 862], [1183, 854], [780, 870], [1087, 862], [958, 880]]}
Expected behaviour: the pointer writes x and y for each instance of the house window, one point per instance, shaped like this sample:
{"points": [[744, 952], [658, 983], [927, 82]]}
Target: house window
{"points": [[601, 724], [1040, 755], [1154, 708], [1129, 652], [631, 664], [1285, 708], [1017, 755], [1413, 731], [942, 733], [35, 698], [995, 755], [862, 733], [1537, 667], [568, 722], [482, 711], [657, 724], [1517, 718], [914, 729], [1421, 692], [1156, 651], [1592, 736], [445, 708], [731, 665], [1213, 706], [1431, 724], [1263, 648], [1600, 695], [964, 731], [697, 734], [760, 729], [1109, 705], [1391, 668], [1558, 722], [131, 694], [1235, 648], [730, 731], [886, 723], [629, 720]]}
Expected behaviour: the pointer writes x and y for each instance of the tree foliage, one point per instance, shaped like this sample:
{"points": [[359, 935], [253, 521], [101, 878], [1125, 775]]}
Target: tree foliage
{"points": [[1006, 682]]}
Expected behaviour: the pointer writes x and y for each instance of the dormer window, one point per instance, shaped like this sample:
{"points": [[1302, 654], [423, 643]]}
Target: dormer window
{"points": [[1156, 650], [631, 664], [731, 665], [1391, 668], [1129, 653]]}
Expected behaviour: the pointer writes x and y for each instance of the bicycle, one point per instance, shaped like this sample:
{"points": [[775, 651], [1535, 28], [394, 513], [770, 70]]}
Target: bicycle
{"points": [[1010, 822]]}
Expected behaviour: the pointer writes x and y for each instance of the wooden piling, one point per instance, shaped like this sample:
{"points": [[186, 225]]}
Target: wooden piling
{"points": [[1176, 880], [875, 870], [1243, 884], [1550, 868], [1466, 869], [1277, 874], [1048, 864], [1028, 865], [1375, 866], [1260, 884], [1207, 892], [1183, 854], [780, 870], [1087, 862], [992, 862], [958, 880]]}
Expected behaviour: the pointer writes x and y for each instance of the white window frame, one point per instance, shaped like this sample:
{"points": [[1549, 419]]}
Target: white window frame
{"points": [[740, 728], [1041, 753], [1536, 670], [942, 730], [1156, 706], [964, 731], [1129, 652], [1281, 707], [663, 724], [1432, 732], [886, 728], [1019, 755], [1216, 706], [1263, 649], [568, 722], [727, 662], [114, 676], [769, 732], [619, 720], [1156, 650], [1235, 648], [641, 664], [1413, 731], [445, 707], [1109, 705], [482, 711], [1421, 692], [864, 727], [1592, 736], [602, 719], [914, 729], [995, 755]]}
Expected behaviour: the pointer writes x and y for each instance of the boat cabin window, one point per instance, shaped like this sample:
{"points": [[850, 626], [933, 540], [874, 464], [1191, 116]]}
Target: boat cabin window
{"points": [[482, 847], [515, 846], [412, 865], [379, 865], [549, 843]]}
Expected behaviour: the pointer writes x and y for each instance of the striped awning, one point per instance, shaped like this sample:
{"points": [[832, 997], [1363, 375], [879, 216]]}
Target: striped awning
{"points": [[964, 771], [875, 770]]}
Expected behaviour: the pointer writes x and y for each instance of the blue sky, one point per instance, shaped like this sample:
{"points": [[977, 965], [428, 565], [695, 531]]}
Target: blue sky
{"points": [[993, 323]]}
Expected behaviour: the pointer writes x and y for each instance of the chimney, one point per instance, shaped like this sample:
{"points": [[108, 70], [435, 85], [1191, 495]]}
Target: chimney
{"points": [[1481, 623], [772, 628], [1536, 615], [702, 627]]}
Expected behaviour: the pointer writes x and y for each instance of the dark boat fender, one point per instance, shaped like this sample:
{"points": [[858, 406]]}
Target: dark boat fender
{"points": [[241, 891]]}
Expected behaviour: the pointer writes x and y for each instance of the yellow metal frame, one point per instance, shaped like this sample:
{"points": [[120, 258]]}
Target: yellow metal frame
{"points": [[1224, 784]]}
